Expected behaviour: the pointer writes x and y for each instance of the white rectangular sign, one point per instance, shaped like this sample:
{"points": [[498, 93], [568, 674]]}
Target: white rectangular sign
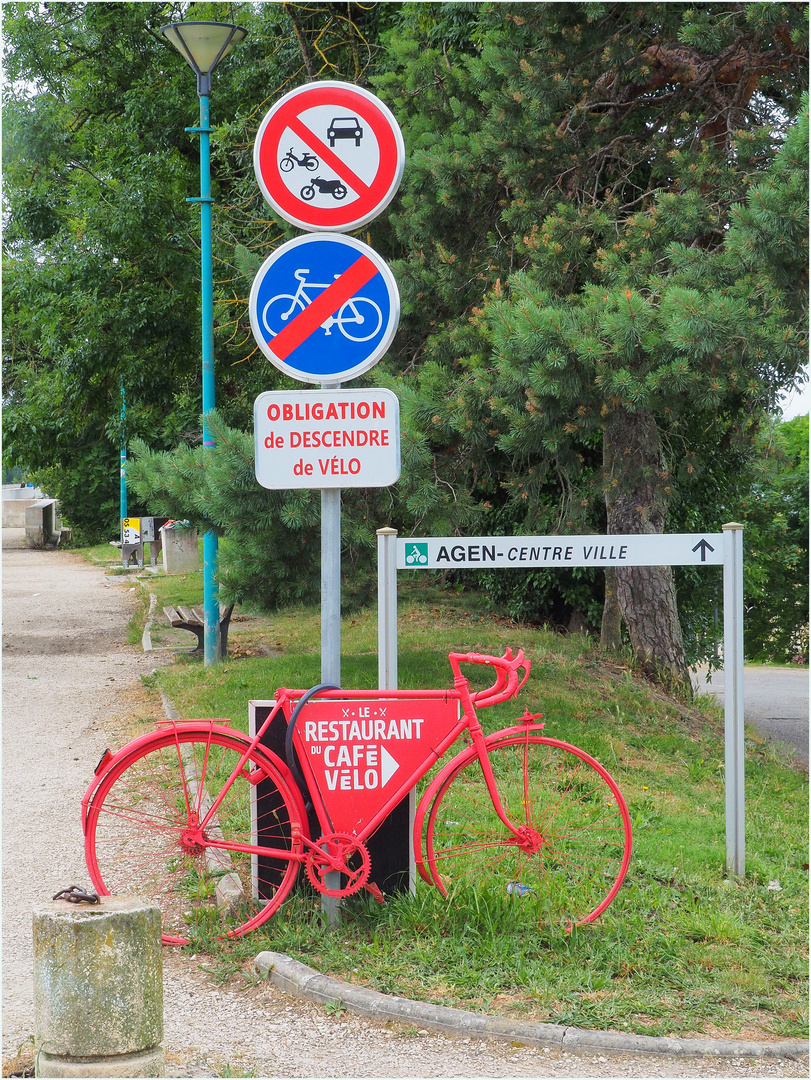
{"points": [[481, 552], [327, 438]]}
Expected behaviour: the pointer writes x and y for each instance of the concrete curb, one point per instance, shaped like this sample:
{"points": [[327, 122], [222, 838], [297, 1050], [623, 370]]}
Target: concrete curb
{"points": [[146, 637], [298, 980]]}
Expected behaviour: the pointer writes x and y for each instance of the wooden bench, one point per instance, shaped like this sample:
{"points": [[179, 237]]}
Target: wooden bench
{"points": [[185, 618]]}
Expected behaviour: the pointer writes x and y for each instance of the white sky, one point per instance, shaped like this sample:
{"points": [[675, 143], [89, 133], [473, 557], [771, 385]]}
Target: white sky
{"points": [[797, 403]]}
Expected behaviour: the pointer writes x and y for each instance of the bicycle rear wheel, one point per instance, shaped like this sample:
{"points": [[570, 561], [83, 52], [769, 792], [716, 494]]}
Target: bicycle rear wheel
{"points": [[573, 846], [143, 837]]}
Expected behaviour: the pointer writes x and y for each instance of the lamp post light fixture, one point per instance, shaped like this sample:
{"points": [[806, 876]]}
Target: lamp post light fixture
{"points": [[203, 45]]}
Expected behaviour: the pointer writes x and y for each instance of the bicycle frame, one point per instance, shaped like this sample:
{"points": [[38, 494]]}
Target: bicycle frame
{"points": [[303, 284], [506, 685], [361, 811]]}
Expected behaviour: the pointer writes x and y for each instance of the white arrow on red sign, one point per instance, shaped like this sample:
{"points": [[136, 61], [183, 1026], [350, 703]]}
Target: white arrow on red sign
{"points": [[388, 766]]}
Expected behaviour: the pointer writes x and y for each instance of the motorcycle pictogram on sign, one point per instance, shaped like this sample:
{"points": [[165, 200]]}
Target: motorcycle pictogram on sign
{"points": [[306, 161]]}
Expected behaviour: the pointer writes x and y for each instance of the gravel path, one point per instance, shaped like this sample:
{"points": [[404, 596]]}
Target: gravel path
{"points": [[70, 683]]}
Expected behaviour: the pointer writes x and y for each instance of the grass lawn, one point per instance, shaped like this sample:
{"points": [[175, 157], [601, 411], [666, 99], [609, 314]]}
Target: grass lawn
{"points": [[683, 949]]}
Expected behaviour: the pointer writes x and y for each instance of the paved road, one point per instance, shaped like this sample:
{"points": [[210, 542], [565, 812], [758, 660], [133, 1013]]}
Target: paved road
{"points": [[775, 702]]}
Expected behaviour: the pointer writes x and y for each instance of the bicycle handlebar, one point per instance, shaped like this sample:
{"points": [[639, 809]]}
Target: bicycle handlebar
{"points": [[507, 682]]}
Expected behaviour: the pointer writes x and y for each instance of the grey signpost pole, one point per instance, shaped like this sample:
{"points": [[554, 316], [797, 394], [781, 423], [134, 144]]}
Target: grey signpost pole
{"points": [[387, 609], [331, 579], [331, 628], [733, 698]]}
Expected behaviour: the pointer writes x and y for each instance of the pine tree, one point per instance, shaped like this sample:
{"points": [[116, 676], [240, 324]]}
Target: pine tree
{"points": [[602, 294]]}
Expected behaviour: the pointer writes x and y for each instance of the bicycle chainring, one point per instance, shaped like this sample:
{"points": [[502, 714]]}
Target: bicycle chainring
{"points": [[340, 849]]}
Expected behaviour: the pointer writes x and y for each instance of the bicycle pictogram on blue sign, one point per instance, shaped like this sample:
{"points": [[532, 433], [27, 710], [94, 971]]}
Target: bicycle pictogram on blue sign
{"points": [[324, 308]]}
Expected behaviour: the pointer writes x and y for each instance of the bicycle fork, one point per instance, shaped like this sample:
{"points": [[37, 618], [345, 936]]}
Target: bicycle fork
{"points": [[527, 838]]}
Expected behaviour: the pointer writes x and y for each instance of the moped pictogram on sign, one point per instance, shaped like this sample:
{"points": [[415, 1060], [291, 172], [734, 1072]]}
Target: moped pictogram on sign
{"points": [[324, 308], [344, 134], [306, 161]]}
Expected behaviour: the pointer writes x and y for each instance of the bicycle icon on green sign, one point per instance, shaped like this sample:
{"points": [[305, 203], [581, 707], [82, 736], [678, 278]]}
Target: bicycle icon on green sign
{"points": [[417, 555], [358, 319]]}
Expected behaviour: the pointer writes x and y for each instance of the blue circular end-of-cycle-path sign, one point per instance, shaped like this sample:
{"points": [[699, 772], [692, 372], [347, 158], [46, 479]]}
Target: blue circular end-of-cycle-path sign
{"points": [[324, 308]]}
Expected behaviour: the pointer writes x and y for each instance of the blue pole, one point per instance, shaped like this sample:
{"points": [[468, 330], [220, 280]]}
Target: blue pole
{"points": [[211, 600]]}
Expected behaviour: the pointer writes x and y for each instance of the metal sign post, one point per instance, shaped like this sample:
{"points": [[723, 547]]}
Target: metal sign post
{"points": [[331, 583], [733, 698], [646, 549], [328, 157], [331, 634]]}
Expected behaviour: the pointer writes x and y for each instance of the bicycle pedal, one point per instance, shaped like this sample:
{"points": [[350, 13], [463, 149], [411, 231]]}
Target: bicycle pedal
{"points": [[375, 891]]}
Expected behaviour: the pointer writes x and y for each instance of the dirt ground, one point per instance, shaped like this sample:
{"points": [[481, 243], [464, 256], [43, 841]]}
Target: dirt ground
{"points": [[70, 688]]}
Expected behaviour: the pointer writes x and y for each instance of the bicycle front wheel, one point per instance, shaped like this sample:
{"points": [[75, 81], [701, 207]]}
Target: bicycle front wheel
{"points": [[143, 834], [567, 859]]}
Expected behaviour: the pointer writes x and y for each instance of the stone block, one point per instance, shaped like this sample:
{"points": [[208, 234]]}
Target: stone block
{"points": [[150, 1063], [98, 987], [180, 554]]}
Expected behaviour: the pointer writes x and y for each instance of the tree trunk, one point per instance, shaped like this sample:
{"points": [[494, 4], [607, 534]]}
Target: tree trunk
{"points": [[611, 626], [636, 503]]}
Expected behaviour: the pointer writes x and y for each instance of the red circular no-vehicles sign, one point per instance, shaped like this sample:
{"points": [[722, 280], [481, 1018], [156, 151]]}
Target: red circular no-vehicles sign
{"points": [[329, 156]]}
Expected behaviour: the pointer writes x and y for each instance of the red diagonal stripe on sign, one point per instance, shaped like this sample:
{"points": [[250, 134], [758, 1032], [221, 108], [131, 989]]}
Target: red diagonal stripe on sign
{"points": [[329, 158], [316, 313]]}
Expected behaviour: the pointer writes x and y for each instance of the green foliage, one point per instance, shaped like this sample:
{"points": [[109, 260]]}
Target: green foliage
{"points": [[101, 261], [601, 229], [614, 247], [99, 288], [775, 511]]}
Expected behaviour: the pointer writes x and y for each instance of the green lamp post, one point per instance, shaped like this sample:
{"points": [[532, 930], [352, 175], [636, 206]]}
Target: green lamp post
{"points": [[203, 45]]}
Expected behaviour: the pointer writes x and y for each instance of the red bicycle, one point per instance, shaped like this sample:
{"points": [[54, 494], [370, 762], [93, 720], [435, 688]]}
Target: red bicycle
{"points": [[212, 825]]}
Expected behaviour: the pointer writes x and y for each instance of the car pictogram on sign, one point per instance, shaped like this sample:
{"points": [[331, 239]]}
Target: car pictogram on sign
{"points": [[345, 127], [344, 135]]}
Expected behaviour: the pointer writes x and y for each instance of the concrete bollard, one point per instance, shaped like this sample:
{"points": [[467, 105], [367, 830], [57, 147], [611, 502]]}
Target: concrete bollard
{"points": [[180, 554], [98, 989]]}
